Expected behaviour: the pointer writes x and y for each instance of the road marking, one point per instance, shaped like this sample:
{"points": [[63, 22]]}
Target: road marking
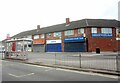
{"points": [[20, 75], [13, 75], [26, 75], [36, 66], [50, 69]]}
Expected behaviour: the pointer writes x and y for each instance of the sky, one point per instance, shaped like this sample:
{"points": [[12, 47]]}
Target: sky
{"points": [[22, 15]]}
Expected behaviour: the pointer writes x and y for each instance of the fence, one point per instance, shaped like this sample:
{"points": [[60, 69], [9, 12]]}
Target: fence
{"points": [[78, 60]]}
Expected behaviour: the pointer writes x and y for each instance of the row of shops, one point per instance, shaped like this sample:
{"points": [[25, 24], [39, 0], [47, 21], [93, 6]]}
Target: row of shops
{"points": [[73, 44], [84, 35]]}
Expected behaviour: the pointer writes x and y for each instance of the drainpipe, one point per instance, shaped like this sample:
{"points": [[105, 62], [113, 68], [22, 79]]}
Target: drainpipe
{"points": [[86, 35]]}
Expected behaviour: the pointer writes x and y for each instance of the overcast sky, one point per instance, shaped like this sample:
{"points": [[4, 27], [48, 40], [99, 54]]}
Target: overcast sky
{"points": [[22, 15]]}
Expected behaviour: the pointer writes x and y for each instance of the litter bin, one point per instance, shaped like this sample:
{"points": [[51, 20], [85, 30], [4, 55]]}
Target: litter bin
{"points": [[98, 50]]}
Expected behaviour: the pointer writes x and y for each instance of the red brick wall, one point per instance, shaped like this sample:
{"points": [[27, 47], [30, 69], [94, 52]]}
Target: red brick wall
{"points": [[105, 44], [118, 45]]}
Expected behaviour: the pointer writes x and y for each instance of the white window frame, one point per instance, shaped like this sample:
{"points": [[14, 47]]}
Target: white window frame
{"points": [[57, 34], [81, 31], [106, 30], [69, 32], [94, 30], [36, 36]]}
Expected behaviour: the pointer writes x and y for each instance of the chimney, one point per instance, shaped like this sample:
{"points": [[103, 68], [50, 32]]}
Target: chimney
{"points": [[67, 21], [38, 28], [8, 37]]}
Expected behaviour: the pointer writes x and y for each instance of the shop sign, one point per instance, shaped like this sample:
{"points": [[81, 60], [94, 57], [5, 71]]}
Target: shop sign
{"points": [[53, 41], [38, 41], [102, 34], [75, 39]]}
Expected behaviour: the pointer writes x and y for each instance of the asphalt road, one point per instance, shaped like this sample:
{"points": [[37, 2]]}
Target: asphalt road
{"points": [[14, 71]]}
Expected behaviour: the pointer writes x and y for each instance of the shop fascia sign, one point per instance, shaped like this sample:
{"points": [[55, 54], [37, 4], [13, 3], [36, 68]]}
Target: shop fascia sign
{"points": [[53, 41], [102, 34], [75, 39], [38, 41]]}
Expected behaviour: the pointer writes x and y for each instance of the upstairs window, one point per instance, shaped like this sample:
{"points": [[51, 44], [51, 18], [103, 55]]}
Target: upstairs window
{"points": [[118, 31], [106, 30], [94, 30], [57, 34], [29, 36], [42, 36], [69, 32], [49, 35], [81, 31], [36, 36]]}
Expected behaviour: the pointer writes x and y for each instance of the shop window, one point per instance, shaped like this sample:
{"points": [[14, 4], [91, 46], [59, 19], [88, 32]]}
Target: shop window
{"points": [[106, 30], [57, 34], [94, 30], [69, 32], [81, 31]]}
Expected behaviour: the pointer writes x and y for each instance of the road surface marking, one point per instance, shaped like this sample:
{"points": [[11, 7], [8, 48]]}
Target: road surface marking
{"points": [[35, 65], [13, 75], [20, 75], [50, 69]]}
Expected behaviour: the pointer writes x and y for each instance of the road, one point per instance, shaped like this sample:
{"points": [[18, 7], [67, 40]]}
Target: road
{"points": [[14, 71]]}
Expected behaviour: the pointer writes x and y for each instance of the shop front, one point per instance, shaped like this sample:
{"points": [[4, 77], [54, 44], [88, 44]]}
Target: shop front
{"points": [[74, 44], [38, 45], [53, 46]]}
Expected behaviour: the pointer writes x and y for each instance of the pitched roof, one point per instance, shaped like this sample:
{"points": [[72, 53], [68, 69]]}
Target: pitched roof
{"points": [[73, 24]]}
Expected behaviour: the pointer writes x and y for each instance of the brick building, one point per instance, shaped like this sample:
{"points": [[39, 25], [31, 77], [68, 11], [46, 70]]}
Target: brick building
{"points": [[77, 36]]}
